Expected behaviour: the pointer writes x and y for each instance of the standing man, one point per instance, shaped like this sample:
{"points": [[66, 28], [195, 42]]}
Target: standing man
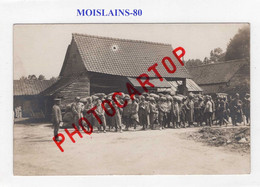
{"points": [[127, 113], [56, 117], [162, 107], [134, 113], [101, 114], [117, 119], [143, 112], [236, 110], [246, 108], [176, 114], [208, 111], [77, 109], [153, 113], [213, 116], [190, 110]]}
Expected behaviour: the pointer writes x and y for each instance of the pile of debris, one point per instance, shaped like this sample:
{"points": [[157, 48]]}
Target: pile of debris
{"points": [[236, 138]]}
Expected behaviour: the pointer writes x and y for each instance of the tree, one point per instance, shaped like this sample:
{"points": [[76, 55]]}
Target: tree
{"points": [[193, 62], [54, 78], [41, 77], [23, 78], [216, 55], [239, 45], [206, 60], [32, 77]]}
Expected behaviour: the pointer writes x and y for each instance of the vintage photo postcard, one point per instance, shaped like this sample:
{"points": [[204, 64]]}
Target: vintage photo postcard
{"points": [[131, 99]]}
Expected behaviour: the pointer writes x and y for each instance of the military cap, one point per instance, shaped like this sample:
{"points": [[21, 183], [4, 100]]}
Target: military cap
{"points": [[151, 99], [163, 98], [127, 97], [77, 98], [160, 94], [145, 94]]}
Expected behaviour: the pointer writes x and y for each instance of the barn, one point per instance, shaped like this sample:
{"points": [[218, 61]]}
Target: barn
{"points": [[229, 77], [26, 96], [95, 64]]}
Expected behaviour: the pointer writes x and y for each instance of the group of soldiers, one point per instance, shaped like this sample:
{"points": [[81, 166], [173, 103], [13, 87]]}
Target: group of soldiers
{"points": [[154, 110]]}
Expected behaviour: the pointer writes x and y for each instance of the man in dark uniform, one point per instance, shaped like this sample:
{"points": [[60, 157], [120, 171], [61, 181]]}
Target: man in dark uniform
{"points": [[127, 113], [56, 117], [246, 108], [236, 110]]}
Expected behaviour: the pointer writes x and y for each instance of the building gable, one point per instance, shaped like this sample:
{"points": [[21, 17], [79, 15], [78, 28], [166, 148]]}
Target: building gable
{"points": [[73, 64]]}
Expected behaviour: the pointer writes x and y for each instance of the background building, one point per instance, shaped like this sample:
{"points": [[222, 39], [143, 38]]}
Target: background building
{"points": [[229, 77], [26, 96]]}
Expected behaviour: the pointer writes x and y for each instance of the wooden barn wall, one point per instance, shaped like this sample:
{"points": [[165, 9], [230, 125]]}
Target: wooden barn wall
{"points": [[102, 83], [73, 64], [81, 88]]}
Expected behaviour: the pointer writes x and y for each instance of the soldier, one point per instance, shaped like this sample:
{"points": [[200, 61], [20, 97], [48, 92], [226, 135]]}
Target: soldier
{"points": [[77, 108], [183, 112], [213, 117], [176, 113], [143, 112], [101, 114], [208, 111], [190, 110], [86, 108], [236, 110], [246, 108], [227, 113], [126, 114], [168, 116], [153, 112], [134, 113], [162, 107], [221, 111], [56, 117], [109, 120], [201, 111], [218, 112], [116, 119], [197, 111]]}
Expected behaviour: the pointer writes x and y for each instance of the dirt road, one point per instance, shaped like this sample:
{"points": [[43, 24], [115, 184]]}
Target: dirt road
{"points": [[140, 152]]}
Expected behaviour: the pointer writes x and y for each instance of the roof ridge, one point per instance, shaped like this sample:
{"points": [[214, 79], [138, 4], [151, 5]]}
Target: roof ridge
{"points": [[223, 62], [120, 39]]}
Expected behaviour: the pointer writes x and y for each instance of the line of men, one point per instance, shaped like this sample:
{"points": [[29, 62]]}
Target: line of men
{"points": [[152, 110]]}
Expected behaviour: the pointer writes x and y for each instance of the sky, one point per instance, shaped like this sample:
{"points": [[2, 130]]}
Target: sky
{"points": [[40, 49]]}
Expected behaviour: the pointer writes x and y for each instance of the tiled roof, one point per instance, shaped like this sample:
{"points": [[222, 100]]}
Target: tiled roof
{"points": [[30, 87], [192, 86], [123, 57], [217, 72], [58, 85]]}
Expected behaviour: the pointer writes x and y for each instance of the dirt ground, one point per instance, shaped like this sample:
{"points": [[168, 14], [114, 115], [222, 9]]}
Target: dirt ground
{"points": [[141, 152]]}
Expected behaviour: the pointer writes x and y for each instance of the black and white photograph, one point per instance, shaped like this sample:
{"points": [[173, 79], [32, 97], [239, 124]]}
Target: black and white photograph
{"points": [[131, 99]]}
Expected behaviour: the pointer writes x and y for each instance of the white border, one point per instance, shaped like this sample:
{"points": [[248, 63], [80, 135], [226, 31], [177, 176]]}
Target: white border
{"points": [[167, 11]]}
